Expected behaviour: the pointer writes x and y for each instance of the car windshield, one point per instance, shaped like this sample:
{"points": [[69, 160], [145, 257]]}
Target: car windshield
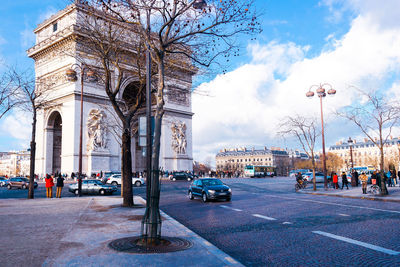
{"points": [[212, 182]]}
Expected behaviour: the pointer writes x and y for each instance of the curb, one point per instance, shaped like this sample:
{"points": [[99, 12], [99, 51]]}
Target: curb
{"points": [[354, 197]]}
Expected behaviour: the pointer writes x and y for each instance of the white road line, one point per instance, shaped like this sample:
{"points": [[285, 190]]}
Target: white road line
{"points": [[287, 223], [334, 204], [362, 244], [264, 217], [230, 208], [344, 215]]}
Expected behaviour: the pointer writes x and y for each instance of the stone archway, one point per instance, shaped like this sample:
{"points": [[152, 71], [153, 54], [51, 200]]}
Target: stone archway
{"points": [[54, 137]]}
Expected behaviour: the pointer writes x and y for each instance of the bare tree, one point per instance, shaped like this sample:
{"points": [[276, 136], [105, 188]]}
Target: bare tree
{"points": [[116, 56], [29, 96], [375, 115], [7, 91], [183, 33], [305, 130]]}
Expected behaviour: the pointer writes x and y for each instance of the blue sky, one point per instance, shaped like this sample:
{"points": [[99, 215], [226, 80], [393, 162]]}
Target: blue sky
{"points": [[343, 42]]}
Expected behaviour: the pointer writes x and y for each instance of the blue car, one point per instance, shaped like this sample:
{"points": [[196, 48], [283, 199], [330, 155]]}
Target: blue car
{"points": [[209, 189]]}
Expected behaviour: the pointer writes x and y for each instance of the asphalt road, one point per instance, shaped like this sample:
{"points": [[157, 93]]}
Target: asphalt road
{"points": [[268, 224]]}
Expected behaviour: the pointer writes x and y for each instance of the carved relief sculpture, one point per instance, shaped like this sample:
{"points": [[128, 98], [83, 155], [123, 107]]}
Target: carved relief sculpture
{"points": [[179, 142], [97, 130]]}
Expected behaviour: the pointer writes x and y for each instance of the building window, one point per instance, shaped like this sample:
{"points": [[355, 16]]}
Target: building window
{"points": [[55, 26]]}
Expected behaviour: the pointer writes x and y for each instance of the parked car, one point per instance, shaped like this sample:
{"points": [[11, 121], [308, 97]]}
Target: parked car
{"points": [[293, 173], [115, 179], [92, 186], [20, 182], [107, 175], [181, 176], [3, 181], [209, 188], [319, 177]]}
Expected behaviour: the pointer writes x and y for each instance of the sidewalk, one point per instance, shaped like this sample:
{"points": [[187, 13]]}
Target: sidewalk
{"points": [[353, 192], [77, 231]]}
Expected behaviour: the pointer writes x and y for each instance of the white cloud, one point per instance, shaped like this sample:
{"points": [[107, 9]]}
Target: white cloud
{"points": [[248, 103], [18, 125]]}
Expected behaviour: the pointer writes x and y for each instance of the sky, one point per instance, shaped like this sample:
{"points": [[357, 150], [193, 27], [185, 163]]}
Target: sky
{"points": [[345, 43]]}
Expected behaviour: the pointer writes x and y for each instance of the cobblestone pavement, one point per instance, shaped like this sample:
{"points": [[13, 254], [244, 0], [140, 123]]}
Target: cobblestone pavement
{"points": [[267, 224]]}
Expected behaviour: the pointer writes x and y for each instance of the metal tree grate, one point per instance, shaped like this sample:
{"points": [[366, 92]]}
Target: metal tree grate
{"points": [[137, 245]]}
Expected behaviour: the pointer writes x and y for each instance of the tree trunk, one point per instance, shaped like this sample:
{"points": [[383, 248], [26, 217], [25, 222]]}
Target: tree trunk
{"points": [[384, 190], [32, 159], [126, 162], [313, 170]]}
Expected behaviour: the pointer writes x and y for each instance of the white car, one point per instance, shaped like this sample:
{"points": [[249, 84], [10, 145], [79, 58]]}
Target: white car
{"points": [[115, 179]]}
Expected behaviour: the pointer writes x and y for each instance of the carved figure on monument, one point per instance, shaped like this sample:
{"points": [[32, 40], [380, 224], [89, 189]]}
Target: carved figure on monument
{"points": [[179, 142], [97, 130]]}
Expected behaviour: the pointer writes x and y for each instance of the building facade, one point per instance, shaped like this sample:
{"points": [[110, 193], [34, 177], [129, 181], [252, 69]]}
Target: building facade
{"points": [[57, 50], [366, 153], [234, 160], [15, 163]]}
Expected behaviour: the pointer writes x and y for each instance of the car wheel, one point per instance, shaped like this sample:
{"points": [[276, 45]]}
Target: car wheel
{"points": [[102, 192], [228, 199], [204, 197], [76, 192], [9, 186], [114, 183], [174, 179], [190, 195], [23, 186], [138, 183]]}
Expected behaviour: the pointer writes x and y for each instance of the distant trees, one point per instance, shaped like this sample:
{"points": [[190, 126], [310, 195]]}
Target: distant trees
{"points": [[306, 132], [375, 115]]}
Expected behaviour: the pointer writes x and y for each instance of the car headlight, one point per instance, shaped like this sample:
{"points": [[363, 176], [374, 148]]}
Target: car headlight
{"points": [[211, 191], [230, 190]]}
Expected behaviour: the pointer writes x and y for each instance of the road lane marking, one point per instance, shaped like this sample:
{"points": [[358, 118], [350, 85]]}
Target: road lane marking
{"points": [[359, 243], [264, 217], [231, 260], [287, 223], [230, 208], [344, 215], [334, 204]]}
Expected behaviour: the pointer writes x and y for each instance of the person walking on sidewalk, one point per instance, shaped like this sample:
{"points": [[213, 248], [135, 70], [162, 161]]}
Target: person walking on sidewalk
{"points": [[49, 186], [389, 178], [60, 185], [364, 180], [335, 181], [344, 180]]}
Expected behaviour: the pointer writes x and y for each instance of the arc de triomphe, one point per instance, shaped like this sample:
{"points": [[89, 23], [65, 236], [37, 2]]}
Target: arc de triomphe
{"points": [[58, 124]]}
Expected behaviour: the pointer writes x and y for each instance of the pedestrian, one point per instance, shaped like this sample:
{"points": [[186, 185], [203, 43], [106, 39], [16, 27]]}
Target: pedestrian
{"points": [[49, 186], [335, 181], [389, 178], [364, 180], [60, 185], [344, 180], [393, 177], [356, 176]]}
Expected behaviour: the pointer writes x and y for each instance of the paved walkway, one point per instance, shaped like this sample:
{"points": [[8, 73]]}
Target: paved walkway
{"points": [[76, 232], [353, 192]]}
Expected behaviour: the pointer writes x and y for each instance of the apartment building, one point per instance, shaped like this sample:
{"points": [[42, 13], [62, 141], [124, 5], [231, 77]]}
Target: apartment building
{"points": [[14, 163], [366, 153]]}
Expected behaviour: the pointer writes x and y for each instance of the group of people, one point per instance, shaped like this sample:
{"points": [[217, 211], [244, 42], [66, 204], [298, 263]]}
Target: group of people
{"points": [[335, 180], [49, 183]]}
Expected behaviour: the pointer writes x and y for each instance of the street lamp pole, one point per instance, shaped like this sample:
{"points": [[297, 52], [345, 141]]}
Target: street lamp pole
{"points": [[321, 92], [71, 76], [350, 142]]}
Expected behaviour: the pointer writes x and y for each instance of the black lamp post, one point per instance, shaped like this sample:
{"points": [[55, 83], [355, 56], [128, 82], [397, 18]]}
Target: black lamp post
{"points": [[71, 76], [321, 92]]}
